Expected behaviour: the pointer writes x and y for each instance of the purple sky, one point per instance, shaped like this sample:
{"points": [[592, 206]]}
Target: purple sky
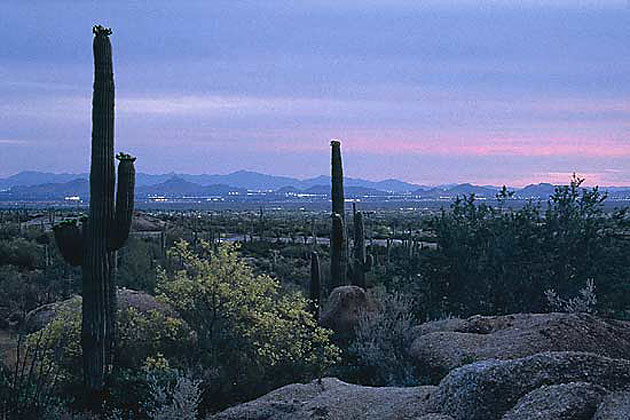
{"points": [[500, 92]]}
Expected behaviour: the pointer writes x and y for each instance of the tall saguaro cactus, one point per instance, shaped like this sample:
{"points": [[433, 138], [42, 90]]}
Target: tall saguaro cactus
{"points": [[338, 251], [93, 244]]}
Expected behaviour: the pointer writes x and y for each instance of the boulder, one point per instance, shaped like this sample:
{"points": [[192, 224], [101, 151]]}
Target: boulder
{"points": [[344, 307], [441, 346], [552, 385], [38, 318], [487, 390], [332, 399], [616, 406], [572, 401], [441, 325]]}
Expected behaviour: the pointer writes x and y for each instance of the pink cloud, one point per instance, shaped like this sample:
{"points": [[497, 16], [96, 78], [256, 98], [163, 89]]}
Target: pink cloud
{"points": [[486, 144], [397, 142]]}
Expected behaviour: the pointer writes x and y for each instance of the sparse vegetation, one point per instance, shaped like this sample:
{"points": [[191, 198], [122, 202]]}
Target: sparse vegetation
{"points": [[382, 342], [585, 302], [489, 260]]}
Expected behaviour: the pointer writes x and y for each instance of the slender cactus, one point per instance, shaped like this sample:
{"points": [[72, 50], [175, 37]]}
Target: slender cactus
{"points": [[362, 263], [338, 206], [338, 245], [93, 244], [337, 261], [316, 282]]}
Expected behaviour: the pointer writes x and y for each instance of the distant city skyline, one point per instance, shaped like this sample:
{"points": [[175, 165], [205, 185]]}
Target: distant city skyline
{"points": [[432, 92]]}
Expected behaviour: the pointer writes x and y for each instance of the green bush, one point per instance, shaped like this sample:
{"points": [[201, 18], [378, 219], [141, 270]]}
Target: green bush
{"points": [[20, 252], [252, 336], [141, 337], [497, 260], [137, 266]]}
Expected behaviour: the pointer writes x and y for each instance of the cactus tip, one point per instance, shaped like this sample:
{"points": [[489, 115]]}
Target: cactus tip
{"points": [[101, 30], [335, 142], [124, 156]]}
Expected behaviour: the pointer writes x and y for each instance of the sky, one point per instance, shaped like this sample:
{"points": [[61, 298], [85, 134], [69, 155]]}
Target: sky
{"points": [[432, 92]]}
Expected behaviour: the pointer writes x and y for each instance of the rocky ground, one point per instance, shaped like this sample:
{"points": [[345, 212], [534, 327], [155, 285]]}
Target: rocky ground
{"points": [[517, 367], [442, 346], [545, 386]]}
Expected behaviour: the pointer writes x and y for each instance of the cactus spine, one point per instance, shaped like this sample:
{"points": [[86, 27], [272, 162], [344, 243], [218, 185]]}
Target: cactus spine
{"points": [[93, 244], [338, 252], [316, 282]]}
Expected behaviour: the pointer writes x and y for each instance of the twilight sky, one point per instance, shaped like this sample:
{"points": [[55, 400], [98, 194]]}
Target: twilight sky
{"points": [[432, 91]]}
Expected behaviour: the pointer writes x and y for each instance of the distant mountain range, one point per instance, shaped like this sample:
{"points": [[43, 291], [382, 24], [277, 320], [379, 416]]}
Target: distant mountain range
{"points": [[32, 185], [240, 179]]}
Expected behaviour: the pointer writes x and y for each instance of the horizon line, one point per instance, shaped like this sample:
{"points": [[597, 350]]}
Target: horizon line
{"points": [[519, 185]]}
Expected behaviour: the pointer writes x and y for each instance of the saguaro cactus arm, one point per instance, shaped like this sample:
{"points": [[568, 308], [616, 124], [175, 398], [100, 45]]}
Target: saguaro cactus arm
{"points": [[69, 239], [124, 201]]}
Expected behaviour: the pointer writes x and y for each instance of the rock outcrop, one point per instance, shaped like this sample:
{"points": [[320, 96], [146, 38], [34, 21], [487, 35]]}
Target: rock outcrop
{"points": [[442, 346], [616, 406], [572, 401], [489, 389], [553, 385], [332, 399]]}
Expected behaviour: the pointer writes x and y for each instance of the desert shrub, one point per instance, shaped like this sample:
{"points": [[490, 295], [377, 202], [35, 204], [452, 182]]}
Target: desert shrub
{"points": [[141, 336], [138, 261], [162, 393], [9, 230], [146, 334], [20, 252], [27, 381], [585, 301], [175, 400], [251, 335], [496, 260], [32, 273], [382, 341]]}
